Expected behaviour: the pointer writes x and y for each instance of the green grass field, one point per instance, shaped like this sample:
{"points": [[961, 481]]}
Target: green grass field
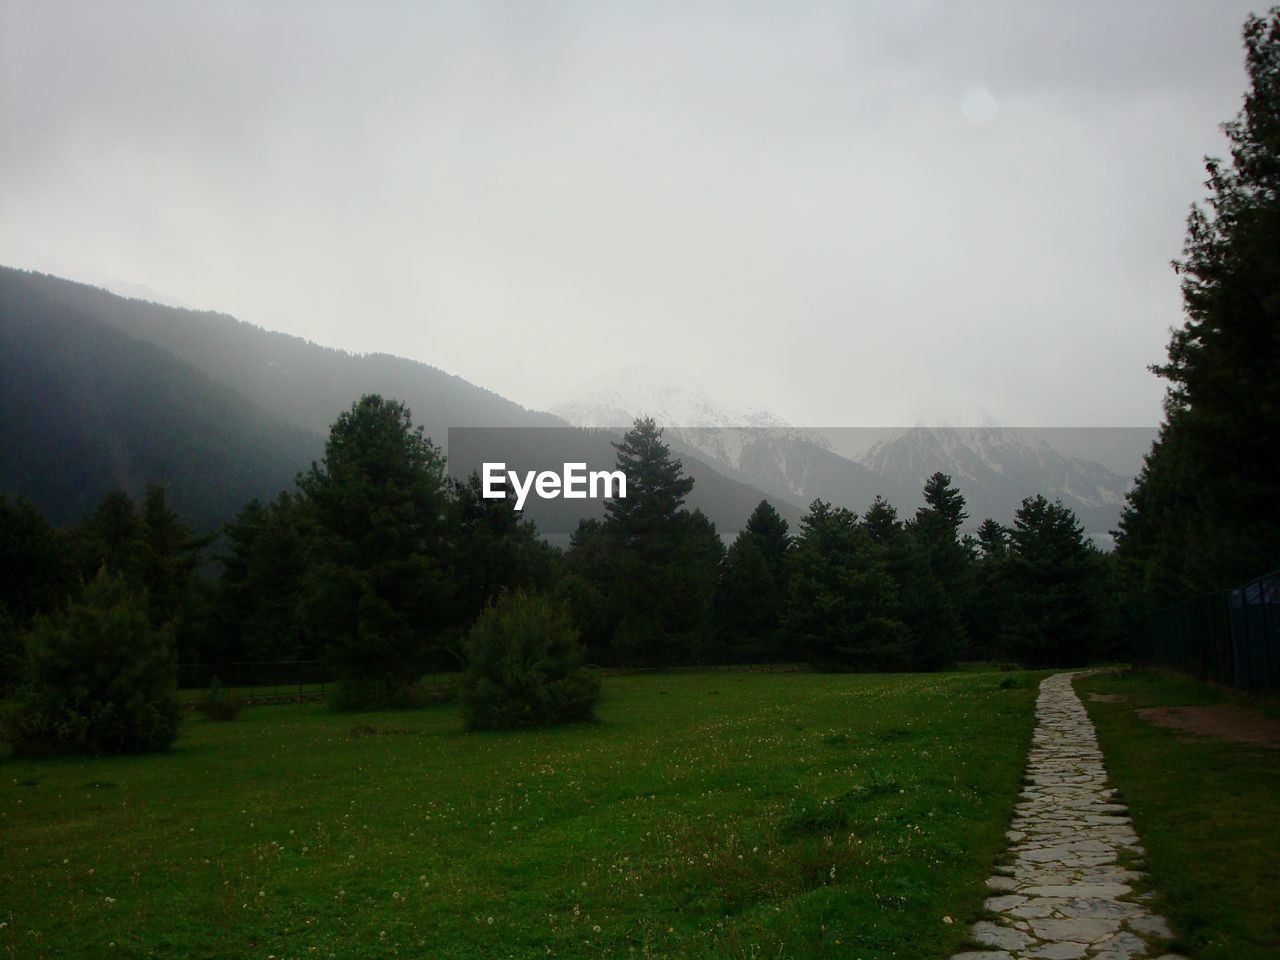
{"points": [[1207, 811], [726, 815]]}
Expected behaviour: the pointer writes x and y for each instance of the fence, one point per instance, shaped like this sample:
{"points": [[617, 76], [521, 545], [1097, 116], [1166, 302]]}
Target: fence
{"points": [[1231, 637], [274, 679]]}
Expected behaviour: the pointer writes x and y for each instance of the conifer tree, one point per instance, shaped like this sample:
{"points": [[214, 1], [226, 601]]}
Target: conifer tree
{"points": [[378, 591], [1202, 515]]}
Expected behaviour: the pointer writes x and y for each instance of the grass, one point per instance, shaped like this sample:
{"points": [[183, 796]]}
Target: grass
{"points": [[703, 815], [1206, 812]]}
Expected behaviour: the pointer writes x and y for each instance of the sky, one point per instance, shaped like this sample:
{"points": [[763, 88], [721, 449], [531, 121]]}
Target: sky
{"points": [[849, 214]]}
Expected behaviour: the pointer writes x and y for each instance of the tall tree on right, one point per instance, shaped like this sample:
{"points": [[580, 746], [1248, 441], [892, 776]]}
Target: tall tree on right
{"points": [[1202, 514]]}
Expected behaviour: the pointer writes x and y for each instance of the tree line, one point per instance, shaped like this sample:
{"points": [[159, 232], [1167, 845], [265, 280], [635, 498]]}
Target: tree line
{"points": [[379, 563]]}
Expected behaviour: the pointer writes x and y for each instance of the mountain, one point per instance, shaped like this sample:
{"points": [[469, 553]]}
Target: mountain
{"points": [[751, 445], [100, 391], [84, 409], [291, 379], [994, 467]]}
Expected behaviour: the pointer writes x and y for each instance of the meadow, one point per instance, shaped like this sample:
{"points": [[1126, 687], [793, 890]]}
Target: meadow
{"points": [[1204, 806], [702, 815]]}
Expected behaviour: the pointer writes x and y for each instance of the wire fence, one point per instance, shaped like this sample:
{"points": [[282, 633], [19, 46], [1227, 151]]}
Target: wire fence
{"points": [[1231, 637], [259, 680]]}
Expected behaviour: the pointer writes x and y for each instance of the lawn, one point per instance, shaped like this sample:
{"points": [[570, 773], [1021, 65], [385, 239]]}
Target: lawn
{"points": [[1207, 811], [725, 815]]}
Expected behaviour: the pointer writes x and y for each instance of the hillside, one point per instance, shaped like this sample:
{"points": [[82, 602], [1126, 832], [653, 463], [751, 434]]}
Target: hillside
{"points": [[84, 408], [103, 391]]}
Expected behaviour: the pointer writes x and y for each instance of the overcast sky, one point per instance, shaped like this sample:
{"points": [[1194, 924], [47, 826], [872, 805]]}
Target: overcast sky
{"points": [[851, 213]]}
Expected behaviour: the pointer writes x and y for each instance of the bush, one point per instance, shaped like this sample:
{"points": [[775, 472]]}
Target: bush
{"points": [[101, 680], [219, 703], [525, 667]]}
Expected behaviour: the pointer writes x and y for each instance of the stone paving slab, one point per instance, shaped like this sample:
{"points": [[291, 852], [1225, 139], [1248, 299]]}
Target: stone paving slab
{"points": [[1064, 895]]}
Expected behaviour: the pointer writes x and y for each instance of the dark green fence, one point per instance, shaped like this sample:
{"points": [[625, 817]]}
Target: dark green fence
{"points": [[275, 679], [1231, 637]]}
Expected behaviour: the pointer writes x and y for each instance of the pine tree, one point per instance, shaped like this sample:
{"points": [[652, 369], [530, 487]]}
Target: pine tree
{"points": [[936, 528], [103, 679], [659, 564], [881, 521], [768, 530], [1055, 613], [843, 605], [748, 604], [524, 667], [378, 590], [1202, 513], [258, 598]]}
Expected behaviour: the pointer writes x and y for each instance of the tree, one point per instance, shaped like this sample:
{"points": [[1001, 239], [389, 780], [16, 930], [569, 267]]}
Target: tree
{"points": [[881, 521], [656, 485], [748, 603], [1055, 611], [769, 532], [103, 679], [659, 560], [259, 595], [524, 667], [936, 527], [1202, 513], [492, 550], [842, 605], [993, 538], [377, 588]]}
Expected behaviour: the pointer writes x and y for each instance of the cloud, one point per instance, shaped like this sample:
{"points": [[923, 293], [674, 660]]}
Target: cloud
{"points": [[858, 210]]}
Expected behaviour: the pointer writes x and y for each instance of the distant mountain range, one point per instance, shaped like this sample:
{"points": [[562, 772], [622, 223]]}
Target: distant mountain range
{"points": [[994, 467]]}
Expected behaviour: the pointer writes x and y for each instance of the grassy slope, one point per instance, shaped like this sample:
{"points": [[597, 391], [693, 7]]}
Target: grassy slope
{"points": [[1207, 812], [702, 816]]}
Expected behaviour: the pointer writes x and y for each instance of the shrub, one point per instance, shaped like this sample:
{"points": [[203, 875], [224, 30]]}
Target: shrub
{"points": [[525, 667], [101, 680], [219, 703]]}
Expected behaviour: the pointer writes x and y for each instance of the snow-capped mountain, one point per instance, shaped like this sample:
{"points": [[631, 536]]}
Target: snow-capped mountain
{"points": [[741, 441], [994, 467]]}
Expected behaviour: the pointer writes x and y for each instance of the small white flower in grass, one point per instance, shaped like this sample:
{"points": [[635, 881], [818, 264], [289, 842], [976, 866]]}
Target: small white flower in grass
{"points": [[833, 872], [490, 921], [109, 899], [595, 928]]}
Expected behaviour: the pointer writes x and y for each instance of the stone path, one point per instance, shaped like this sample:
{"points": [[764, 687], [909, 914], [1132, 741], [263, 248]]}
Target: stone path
{"points": [[1066, 895]]}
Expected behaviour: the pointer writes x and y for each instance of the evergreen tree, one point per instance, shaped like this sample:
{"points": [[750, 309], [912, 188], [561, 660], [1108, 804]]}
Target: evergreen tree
{"points": [[881, 521], [1055, 613], [842, 608], [111, 536], [993, 538], [524, 667], [377, 586], [103, 679], [748, 604], [659, 559], [936, 528], [493, 549], [769, 532], [35, 562], [259, 594], [1202, 513], [586, 589]]}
